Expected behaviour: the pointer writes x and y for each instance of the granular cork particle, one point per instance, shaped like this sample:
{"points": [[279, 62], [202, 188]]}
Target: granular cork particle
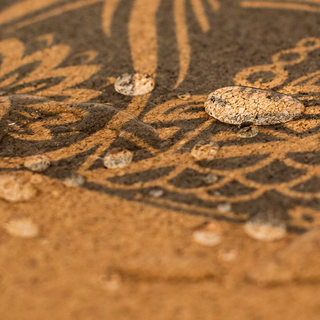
{"points": [[236, 105]]}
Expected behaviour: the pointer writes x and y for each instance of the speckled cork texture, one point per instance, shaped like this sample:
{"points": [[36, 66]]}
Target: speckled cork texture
{"points": [[121, 197]]}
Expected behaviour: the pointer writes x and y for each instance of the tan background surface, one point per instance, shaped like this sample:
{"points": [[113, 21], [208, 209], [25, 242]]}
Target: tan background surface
{"points": [[109, 250]]}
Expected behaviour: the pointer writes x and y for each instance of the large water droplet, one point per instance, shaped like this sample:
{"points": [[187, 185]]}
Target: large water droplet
{"points": [[236, 105]]}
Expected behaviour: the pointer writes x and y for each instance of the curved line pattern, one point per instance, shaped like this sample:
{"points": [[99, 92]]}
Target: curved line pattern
{"points": [[200, 13], [23, 8], [143, 35], [108, 11], [182, 39]]}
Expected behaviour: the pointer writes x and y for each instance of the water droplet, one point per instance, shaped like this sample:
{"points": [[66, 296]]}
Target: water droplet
{"points": [[210, 235], [210, 179], [117, 158], [111, 283], [205, 150], [156, 193], [38, 163], [236, 105], [56, 194], [184, 96], [23, 228], [134, 84], [15, 188], [228, 255], [75, 180], [248, 132], [224, 207], [265, 227], [44, 241]]}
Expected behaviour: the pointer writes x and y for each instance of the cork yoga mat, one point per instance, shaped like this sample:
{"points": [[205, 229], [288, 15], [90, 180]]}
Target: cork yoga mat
{"points": [[202, 219]]}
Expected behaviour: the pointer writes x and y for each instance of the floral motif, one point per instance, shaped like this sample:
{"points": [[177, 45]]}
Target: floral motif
{"points": [[279, 165], [44, 76], [141, 27]]}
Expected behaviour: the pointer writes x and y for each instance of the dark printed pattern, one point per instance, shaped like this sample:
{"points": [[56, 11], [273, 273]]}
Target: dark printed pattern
{"points": [[59, 103]]}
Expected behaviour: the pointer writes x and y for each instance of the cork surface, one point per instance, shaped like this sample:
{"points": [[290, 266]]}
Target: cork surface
{"points": [[202, 219]]}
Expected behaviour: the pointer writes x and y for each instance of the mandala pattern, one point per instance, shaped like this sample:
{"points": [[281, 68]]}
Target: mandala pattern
{"points": [[44, 111]]}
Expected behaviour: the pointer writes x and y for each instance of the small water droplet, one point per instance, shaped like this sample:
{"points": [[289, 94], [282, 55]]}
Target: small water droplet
{"points": [[248, 132], [184, 96], [56, 194], [75, 180], [134, 84], [224, 207], [210, 235], [117, 158], [210, 179], [24, 228], [265, 227], [15, 188], [205, 150], [228, 255], [38, 163], [111, 283], [156, 193]]}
